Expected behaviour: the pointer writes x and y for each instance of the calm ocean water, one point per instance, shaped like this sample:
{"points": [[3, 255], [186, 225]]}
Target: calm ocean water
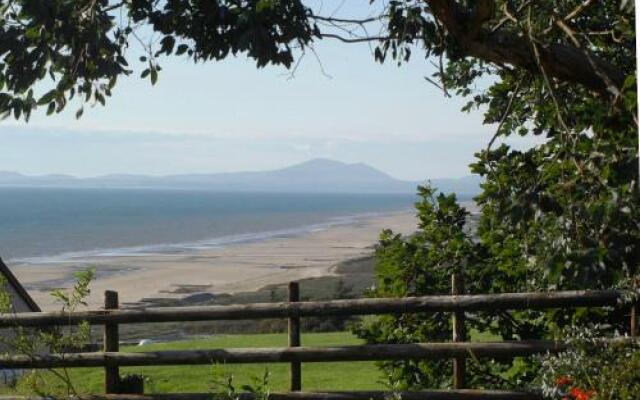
{"points": [[61, 223]]}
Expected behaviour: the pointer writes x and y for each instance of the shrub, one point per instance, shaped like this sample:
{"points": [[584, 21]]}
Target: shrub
{"points": [[592, 369]]}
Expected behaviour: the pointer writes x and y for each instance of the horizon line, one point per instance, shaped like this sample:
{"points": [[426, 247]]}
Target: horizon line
{"points": [[115, 174]]}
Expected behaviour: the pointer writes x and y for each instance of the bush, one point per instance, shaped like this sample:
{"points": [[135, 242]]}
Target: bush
{"points": [[592, 370]]}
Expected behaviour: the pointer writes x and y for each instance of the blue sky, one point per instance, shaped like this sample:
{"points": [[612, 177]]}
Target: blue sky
{"points": [[229, 116]]}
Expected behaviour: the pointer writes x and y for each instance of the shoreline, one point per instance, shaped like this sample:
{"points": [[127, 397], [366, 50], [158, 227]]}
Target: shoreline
{"points": [[235, 267], [156, 249]]}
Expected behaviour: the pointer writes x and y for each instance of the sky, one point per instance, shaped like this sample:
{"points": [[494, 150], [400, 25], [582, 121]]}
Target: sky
{"points": [[229, 116]]}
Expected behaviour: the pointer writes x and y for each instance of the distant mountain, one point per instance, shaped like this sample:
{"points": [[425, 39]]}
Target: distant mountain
{"points": [[314, 176]]}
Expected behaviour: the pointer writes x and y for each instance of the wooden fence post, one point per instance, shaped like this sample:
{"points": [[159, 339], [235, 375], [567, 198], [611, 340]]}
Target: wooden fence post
{"points": [[459, 333], [633, 319], [111, 344], [633, 324], [294, 338]]}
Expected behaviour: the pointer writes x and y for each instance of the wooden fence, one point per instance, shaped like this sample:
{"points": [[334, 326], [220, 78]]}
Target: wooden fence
{"points": [[459, 349]]}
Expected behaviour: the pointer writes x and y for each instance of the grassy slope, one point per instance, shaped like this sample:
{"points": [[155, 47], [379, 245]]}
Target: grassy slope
{"points": [[355, 275], [316, 376]]}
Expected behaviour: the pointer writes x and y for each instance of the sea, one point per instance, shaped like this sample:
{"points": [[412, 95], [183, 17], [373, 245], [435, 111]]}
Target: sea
{"points": [[52, 224]]}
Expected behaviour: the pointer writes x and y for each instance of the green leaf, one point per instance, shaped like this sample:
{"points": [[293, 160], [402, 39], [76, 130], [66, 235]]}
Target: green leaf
{"points": [[264, 5], [33, 33], [181, 49], [17, 110], [167, 44], [99, 97], [47, 97]]}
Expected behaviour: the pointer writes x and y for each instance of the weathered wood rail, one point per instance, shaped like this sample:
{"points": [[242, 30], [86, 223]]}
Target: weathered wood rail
{"points": [[454, 303], [377, 352], [459, 349]]}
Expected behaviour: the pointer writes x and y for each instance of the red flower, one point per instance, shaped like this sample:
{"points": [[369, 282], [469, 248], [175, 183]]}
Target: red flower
{"points": [[579, 394], [563, 380]]}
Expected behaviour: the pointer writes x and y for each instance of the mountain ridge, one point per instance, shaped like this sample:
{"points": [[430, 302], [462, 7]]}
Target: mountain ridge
{"points": [[313, 176]]}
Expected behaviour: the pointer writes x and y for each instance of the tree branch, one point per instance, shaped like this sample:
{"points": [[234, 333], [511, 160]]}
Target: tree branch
{"points": [[354, 39], [347, 21], [561, 61]]}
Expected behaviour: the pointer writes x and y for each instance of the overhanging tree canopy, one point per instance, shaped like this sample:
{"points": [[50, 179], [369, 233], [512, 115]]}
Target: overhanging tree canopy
{"points": [[83, 45]]}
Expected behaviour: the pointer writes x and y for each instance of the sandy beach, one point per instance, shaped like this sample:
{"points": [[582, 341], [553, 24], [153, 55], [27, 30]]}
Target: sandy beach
{"points": [[234, 268]]}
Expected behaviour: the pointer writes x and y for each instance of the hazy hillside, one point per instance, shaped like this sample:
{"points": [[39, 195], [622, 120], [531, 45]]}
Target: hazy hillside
{"points": [[314, 176]]}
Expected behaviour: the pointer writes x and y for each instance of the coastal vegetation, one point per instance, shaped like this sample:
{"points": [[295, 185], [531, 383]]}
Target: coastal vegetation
{"points": [[422, 264], [562, 214], [591, 370]]}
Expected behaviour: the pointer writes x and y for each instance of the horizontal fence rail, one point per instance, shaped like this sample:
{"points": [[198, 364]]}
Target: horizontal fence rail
{"points": [[442, 303], [413, 351], [462, 394]]}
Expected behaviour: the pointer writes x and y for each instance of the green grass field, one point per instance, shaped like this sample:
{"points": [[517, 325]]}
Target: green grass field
{"points": [[315, 376]]}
